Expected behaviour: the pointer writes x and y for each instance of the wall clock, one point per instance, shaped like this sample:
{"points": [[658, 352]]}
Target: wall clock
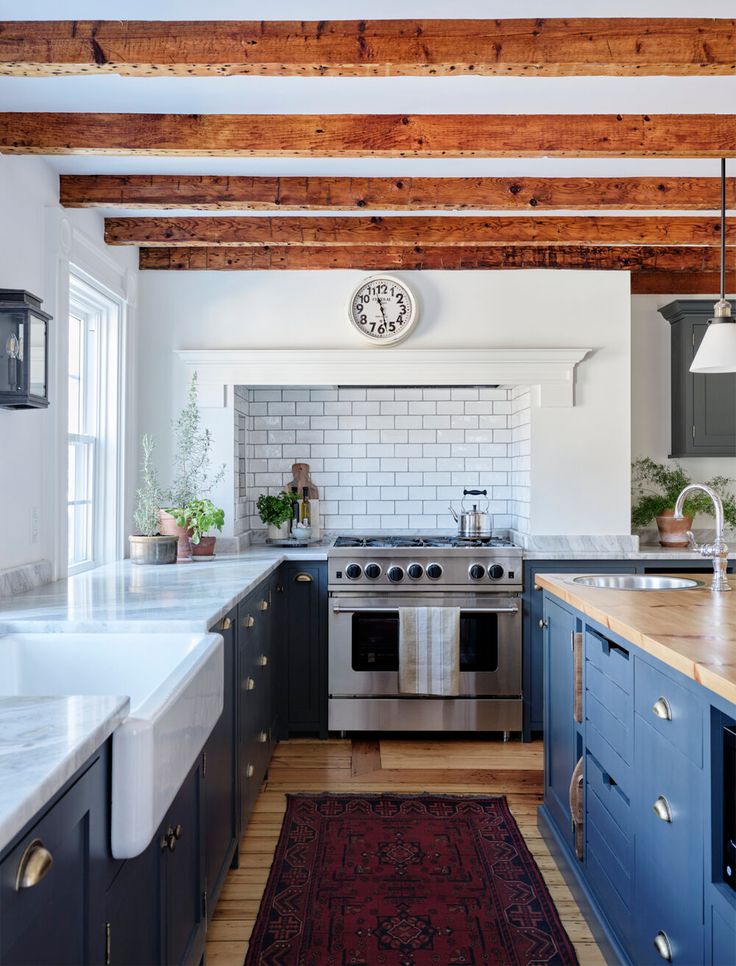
{"points": [[383, 309]]}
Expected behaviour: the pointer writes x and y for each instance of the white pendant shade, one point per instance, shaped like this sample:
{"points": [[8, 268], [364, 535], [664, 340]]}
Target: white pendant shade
{"points": [[717, 352]]}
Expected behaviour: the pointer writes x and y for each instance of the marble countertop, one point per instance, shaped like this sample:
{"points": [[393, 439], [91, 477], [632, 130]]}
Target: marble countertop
{"points": [[43, 742], [693, 631], [126, 597]]}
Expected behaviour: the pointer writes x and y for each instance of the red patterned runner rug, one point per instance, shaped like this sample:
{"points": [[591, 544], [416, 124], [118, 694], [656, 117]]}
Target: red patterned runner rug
{"points": [[402, 880]]}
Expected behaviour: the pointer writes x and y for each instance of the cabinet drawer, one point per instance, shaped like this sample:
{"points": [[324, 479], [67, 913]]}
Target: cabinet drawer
{"points": [[609, 794], [611, 659], [602, 851], [612, 764], [682, 725], [724, 940], [611, 903], [615, 732]]}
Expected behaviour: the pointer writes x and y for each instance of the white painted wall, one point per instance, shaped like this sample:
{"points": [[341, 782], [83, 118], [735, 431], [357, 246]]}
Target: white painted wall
{"points": [[580, 456], [32, 457]]}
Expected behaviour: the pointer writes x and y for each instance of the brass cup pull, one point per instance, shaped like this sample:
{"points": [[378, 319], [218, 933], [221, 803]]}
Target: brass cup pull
{"points": [[303, 578], [249, 621], [263, 661], [263, 737], [662, 709], [663, 946], [250, 771], [249, 684], [662, 810], [264, 605], [226, 623], [34, 864]]}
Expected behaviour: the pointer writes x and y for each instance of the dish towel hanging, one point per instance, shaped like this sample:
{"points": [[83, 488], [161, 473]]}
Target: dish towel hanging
{"points": [[429, 650]]}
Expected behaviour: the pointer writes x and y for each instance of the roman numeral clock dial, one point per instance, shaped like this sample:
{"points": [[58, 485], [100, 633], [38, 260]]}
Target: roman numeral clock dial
{"points": [[383, 310]]}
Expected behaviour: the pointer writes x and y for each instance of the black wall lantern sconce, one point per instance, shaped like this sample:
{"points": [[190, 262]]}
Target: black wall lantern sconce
{"points": [[24, 357]]}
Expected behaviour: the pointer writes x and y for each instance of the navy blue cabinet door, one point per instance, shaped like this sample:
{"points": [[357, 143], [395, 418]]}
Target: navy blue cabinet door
{"points": [[304, 700], [219, 776], [132, 912], [58, 920], [182, 900], [559, 724]]}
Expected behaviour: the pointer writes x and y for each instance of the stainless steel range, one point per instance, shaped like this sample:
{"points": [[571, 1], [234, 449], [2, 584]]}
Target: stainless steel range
{"points": [[370, 578]]}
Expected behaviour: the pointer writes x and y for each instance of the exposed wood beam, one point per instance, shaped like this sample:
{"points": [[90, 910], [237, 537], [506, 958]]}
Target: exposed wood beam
{"points": [[425, 231], [400, 194], [384, 259], [681, 283], [377, 135], [555, 47]]}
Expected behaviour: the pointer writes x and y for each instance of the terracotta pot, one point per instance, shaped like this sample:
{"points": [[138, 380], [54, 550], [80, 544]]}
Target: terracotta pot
{"points": [[171, 528], [152, 550], [673, 533], [205, 547]]}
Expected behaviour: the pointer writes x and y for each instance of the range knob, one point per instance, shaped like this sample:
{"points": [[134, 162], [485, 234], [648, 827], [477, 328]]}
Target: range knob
{"points": [[476, 571], [353, 571], [395, 574], [496, 572], [372, 571], [434, 571], [415, 571]]}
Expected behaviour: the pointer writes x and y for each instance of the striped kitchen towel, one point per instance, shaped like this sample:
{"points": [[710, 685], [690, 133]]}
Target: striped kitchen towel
{"points": [[429, 650]]}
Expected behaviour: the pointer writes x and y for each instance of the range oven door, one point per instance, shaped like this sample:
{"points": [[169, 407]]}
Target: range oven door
{"points": [[364, 643]]}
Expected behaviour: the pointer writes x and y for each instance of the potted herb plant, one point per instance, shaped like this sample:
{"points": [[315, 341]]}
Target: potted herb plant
{"points": [[198, 517], [193, 477], [148, 545], [276, 512], [655, 488]]}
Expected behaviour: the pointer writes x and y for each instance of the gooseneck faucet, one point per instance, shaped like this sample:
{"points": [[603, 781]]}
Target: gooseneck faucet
{"points": [[717, 550]]}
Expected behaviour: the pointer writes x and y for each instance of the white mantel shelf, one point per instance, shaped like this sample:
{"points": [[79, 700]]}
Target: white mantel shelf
{"points": [[552, 370]]}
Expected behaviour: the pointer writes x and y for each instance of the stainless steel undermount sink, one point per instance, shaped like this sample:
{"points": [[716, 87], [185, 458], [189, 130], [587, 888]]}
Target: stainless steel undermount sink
{"points": [[637, 582]]}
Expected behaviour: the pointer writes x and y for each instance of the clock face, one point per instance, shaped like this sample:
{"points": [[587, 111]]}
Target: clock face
{"points": [[383, 309]]}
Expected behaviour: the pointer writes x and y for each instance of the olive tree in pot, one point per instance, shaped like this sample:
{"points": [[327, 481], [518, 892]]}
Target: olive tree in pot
{"points": [[148, 545], [189, 512], [655, 488]]}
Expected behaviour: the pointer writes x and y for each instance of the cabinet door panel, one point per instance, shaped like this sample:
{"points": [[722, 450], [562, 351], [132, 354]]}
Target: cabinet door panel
{"points": [[305, 698], [559, 746], [133, 911]]}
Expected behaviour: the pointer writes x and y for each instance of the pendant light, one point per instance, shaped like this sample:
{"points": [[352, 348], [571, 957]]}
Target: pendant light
{"points": [[717, 352]]}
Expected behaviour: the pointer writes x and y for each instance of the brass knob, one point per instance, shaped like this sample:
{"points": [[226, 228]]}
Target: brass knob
{"points": [[263, 661], [264, 605], [543, 623], [303, 578], [249, 621], [263, 737], [34, 864], [663, 946], [662, 810], [226, 623], [662, 709], [249, 771], [177, 831], [168, 841], [249, 684]]}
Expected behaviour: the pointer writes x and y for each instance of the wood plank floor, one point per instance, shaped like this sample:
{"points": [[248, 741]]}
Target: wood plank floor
{"points": [[449, 767]]}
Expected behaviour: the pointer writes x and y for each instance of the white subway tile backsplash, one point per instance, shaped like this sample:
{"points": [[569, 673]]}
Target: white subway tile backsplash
{"points": [[383, 457]]}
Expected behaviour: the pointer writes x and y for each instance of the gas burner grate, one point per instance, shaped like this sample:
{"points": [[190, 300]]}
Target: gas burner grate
{"points": [[419, 541]]}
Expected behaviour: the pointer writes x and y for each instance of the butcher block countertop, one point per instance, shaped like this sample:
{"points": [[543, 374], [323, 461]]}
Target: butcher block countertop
{"points": [[693, 631]]}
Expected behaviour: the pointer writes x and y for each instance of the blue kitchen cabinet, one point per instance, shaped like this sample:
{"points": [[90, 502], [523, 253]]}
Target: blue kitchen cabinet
{"points": [[56, 917], [219, 775], [132, 918], [559, 723]]}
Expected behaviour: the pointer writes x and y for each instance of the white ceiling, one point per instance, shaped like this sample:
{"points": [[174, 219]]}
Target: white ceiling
{"points": [[494, 95]]}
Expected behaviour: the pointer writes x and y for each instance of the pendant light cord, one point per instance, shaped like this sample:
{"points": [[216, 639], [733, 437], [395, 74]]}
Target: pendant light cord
{"points": [[723, 229]]}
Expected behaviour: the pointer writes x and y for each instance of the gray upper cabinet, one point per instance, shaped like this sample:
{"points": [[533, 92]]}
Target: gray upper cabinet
{"points": [[703, 407]]}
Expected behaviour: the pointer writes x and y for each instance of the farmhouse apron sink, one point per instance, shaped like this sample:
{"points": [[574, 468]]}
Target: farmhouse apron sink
{"points": [[175, 686]]}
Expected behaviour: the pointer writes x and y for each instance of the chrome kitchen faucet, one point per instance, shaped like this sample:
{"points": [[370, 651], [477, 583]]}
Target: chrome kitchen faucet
{"points": [[717, 550]]}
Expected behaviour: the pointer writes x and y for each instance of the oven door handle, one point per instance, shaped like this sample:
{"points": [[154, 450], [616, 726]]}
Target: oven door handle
{"points": [[463, 610]]}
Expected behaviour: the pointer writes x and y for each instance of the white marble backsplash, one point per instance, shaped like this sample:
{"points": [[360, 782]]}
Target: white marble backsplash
{"points": [[18, 580]]}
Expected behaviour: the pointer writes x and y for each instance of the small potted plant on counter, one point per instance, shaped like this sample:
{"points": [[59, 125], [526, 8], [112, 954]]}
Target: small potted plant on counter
{"points": [[655, 488], [193, 481], [197, 518], [276, 512], [148, 545]]}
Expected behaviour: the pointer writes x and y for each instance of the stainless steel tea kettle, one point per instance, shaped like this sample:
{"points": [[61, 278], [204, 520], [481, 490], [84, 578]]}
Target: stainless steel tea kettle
{"points": [[472, 524]]}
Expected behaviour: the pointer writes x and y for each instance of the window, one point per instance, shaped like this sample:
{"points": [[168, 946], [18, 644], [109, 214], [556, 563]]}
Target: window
{"points": [[94, 470]]}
